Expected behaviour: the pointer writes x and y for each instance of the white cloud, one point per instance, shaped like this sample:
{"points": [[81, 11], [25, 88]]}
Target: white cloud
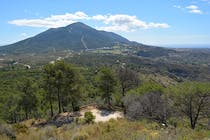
{"points": [[121, 28], [40, 23], [190, 8], [99, 17], [194, 9], [126, 23], [53, 21], [117, 22]]}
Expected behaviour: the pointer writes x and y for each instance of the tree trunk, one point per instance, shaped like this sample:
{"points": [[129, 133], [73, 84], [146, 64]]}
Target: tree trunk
{"points": [[109, 102], [62, 107], [62, 104], [51, 107], [15, 117], [59, 101], [124, 109], [123, 91], [73, 107], [122, 104], [26, 114], [191, 114], [192, 125], [197, 113]]}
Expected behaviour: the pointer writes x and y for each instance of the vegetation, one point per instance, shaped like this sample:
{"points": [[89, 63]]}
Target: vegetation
{"points": [[28, 100], [107, 83], [153, 109], [192, 99], [147, 101], [81, 37], [89, 117], [62, 82], [117, 129], [163, 93]]}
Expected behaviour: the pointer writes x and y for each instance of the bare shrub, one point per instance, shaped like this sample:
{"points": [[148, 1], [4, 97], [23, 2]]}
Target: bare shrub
{"points": [[7, 130]]}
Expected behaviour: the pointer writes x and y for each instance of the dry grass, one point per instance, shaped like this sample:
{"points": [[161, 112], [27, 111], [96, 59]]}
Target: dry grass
{"points": [[113, 130]]}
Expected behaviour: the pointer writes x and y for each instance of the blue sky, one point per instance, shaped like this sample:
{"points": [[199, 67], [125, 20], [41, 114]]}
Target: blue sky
{"points": [[155, 22]]}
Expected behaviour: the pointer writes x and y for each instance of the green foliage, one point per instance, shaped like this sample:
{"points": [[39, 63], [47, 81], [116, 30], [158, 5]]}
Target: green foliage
{"points": [[62, 83], [20, 128], [10, 108], [28, 101], [106, 84], [192, 99], [81, 136], [190, 88], [147, 87], [155, 52], [128, 79], [89, 117], [37, 94], [173, 122], [11, 93]]}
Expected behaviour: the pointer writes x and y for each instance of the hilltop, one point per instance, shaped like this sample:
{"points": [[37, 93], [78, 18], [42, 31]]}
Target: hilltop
{"points": [[78, 37]]}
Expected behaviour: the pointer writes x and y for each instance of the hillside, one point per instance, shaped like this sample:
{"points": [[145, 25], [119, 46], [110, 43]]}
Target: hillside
{"points": [[79, 37], [76, 36]]}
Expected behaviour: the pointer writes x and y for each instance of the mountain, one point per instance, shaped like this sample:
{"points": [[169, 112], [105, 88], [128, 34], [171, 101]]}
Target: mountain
{"points": [[76, 36]]}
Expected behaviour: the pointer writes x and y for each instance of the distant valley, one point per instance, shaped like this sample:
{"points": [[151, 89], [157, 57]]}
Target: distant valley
{"points": [[81, 44]]}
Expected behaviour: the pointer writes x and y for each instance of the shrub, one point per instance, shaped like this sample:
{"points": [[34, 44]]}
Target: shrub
{"points": [[150, 105], [81, 136], [89, 117], [49, 131], [20, 128], [172, 122], [7, 130]]}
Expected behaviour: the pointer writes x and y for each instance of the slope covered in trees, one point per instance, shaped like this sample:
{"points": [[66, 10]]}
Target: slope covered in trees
{"points": [[45, 92]]}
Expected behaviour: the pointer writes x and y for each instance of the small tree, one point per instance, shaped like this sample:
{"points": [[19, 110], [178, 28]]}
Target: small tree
{"points": [[128, 79], [10, 108], [146, 101], [192, 99], [63, 82], [72, 87], [89, 117], [107, 83], [28, 101], [48, 85]]}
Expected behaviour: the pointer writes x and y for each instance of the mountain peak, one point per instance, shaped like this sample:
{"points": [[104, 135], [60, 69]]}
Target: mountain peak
{"points": [[76, 36], [79, 25]]}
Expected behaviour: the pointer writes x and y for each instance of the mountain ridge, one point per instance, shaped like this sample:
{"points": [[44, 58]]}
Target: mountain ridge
{"points": [[76, 36], [72, 37]]}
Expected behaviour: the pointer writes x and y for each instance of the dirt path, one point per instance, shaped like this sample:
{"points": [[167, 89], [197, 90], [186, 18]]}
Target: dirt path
{"points": [[83, 43], [103, 115]]}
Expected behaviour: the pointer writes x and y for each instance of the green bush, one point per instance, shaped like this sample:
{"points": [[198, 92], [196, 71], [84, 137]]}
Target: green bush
{"points": [[89, 117], [173, 122], [20, 128]]}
